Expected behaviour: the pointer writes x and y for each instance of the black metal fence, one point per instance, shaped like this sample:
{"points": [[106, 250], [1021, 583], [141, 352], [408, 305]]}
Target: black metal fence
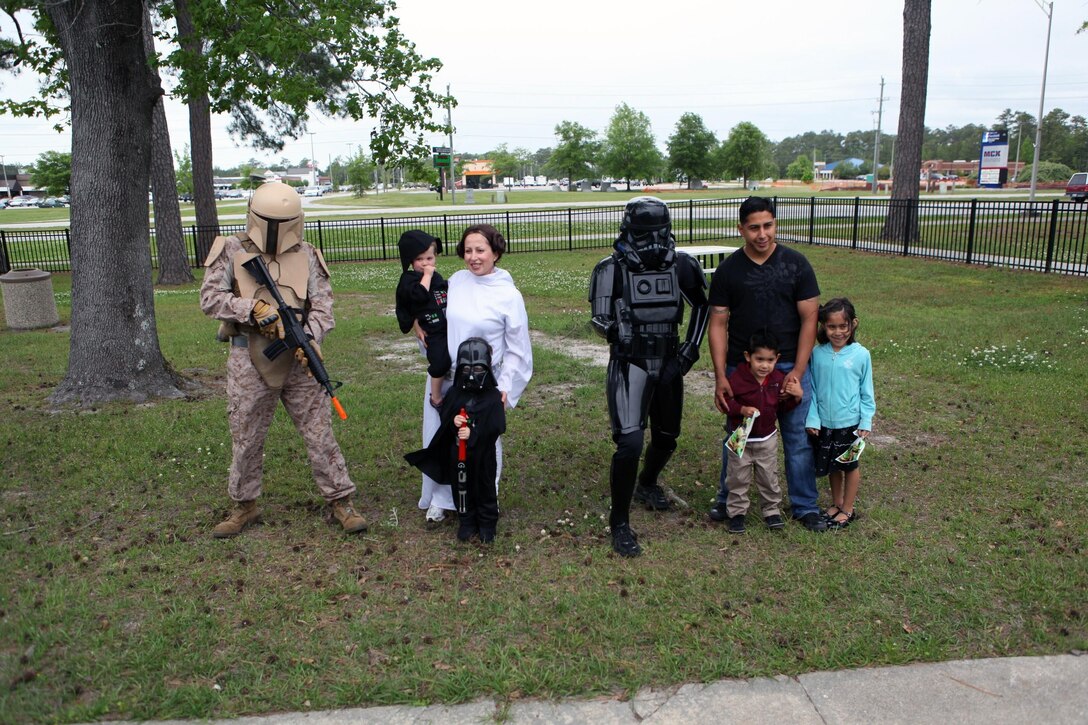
{"points": [[1044, 236]]}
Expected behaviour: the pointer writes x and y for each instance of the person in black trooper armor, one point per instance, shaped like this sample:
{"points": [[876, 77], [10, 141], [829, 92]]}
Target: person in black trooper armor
{"points": [[637, 300]]}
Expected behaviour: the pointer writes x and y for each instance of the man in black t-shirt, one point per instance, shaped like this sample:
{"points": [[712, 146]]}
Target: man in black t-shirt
{"points": [[764, 285]]}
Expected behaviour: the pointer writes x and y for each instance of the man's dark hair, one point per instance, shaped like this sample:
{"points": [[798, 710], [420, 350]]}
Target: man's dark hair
{"points": [[763, 340], [754, 205]]}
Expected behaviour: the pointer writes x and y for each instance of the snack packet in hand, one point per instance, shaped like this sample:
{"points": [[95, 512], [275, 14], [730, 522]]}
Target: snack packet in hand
{"points": [[737, 440], [853, 453]]}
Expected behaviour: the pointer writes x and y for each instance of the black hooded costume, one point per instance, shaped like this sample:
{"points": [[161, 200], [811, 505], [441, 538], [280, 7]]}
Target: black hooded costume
{"points": [[475, 390], [417, 303]]}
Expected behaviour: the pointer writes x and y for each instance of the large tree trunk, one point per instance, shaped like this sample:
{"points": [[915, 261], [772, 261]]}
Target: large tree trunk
{"points": [[114, 350], [169, 239], [200, 139], [902, 221]]}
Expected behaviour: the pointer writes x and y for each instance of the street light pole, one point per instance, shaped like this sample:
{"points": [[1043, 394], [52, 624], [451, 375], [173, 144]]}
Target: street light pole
{"points": [[1047, 8], [6, 187], [1019, 141], [313, 161], [876, 141]]}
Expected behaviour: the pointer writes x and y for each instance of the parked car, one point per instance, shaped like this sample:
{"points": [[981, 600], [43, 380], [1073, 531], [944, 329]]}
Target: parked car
{"points": [[313, 191], [53, 202], [23, 202], [187, 197], [1077, 188]]}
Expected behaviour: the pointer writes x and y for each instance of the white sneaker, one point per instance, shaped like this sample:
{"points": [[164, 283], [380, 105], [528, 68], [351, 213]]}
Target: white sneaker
{"points": [[435, 514]]}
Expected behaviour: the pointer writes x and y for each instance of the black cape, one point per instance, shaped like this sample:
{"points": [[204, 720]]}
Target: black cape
{"points": [[487, 421]]}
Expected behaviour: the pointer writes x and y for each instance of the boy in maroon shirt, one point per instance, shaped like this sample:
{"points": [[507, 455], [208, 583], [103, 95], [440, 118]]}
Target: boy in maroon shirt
{"points": [[757, 388]]}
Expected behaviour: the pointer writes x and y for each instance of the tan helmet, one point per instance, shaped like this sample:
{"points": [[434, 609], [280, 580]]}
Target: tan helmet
{"points": [[274, 222]]}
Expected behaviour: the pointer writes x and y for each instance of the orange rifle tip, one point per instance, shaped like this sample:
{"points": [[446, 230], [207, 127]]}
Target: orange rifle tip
{"points": [[339, 408]]}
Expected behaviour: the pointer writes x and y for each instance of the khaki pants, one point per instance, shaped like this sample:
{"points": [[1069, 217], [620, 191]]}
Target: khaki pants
{"points": [[251, 404], [760, 460]]}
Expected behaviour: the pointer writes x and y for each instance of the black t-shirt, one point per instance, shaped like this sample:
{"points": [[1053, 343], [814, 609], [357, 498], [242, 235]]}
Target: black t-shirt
{"points": [[763, 295]]}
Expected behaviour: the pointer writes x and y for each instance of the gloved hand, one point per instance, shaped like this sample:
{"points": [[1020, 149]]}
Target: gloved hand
{"points": [[681, 363], [267, 320], [303, 361]]}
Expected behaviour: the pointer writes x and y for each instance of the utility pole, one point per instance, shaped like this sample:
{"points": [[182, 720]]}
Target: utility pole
{"points": [[6, 187], [1047, 8], [449, 123], [876, 141]]}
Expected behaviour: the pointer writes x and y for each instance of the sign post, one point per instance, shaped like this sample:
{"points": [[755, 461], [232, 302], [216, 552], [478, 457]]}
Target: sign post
{"points": [[993, 162], [443, 161]]}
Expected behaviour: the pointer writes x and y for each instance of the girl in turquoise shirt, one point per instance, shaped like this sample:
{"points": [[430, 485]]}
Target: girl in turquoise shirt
{"points": [[842, 407]]}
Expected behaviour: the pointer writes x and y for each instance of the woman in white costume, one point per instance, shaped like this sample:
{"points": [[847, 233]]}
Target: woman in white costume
{"points": [[483, 302]]}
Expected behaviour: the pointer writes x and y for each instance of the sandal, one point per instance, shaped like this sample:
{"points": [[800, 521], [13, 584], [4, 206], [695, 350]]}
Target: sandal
{"points": [[828, 515], [835, 523]]}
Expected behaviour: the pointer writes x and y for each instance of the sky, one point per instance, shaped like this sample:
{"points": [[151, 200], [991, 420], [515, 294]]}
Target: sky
{"points": [[519, 67]]}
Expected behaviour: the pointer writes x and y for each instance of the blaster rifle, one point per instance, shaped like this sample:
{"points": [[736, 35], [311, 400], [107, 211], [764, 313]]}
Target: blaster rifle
{"points": [[624, 331], [295, 336]]}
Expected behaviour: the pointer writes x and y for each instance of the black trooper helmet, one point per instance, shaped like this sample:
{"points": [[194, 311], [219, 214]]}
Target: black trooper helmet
{"points": [[646, 239], [473, 365]]}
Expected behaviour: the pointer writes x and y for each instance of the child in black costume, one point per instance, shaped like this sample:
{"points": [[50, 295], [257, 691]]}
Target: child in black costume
{"points": [[421, 298], [475, 391]]}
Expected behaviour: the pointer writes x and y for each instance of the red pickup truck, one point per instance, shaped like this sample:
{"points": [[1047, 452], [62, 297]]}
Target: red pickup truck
{"points": [[1077, 188]]}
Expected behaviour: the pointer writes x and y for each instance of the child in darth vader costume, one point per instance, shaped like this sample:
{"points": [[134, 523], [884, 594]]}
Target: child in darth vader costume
{"points": [[473, 412]]}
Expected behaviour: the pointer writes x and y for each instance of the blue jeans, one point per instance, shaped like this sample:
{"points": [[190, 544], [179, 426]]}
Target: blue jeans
{"points": [[800, 467]]}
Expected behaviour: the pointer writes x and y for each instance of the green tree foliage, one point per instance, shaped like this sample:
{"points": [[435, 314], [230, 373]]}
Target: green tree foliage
{"points": [[360, 173], [818, 146], [829, 146], [628, 151], [951, 143], [844, 170], [270, 67], [745, 153], [539, 159], [1049, 172], [503, 162], [801, 169], [52, 172], [575, 152], [420, 171], [246, 172], [1065, 139], [183, 170], [691, 148], [36, 52]]}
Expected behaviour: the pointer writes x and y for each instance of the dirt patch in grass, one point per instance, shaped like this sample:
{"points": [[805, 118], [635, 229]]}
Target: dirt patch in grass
{"points": [[201, 383], [595, 353], [364, 305], [403, 352]]}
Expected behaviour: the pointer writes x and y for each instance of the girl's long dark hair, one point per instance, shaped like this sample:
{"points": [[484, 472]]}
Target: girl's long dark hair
{"points": [[838, 304]]}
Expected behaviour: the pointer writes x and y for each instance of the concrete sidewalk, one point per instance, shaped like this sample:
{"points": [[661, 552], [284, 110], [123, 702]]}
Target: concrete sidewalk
{"points": [[1036, 690]]}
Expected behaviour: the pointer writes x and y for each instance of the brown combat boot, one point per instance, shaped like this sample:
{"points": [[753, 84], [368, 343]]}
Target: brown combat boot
{"points": [[344, 512], [242, 515]]}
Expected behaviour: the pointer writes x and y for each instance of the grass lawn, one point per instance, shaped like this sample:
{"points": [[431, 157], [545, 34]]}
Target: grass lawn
{"points": [[116, 602]]}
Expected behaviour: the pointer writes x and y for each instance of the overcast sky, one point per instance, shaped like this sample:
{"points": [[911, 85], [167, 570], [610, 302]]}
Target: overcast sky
{"points": [[519, 67]]}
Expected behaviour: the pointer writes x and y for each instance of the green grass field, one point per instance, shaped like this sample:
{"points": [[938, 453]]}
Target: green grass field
{"points": [[115, 602]]}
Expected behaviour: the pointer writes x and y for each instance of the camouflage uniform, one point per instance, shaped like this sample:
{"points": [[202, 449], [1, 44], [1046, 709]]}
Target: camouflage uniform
{"points": [[252, 402]]}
